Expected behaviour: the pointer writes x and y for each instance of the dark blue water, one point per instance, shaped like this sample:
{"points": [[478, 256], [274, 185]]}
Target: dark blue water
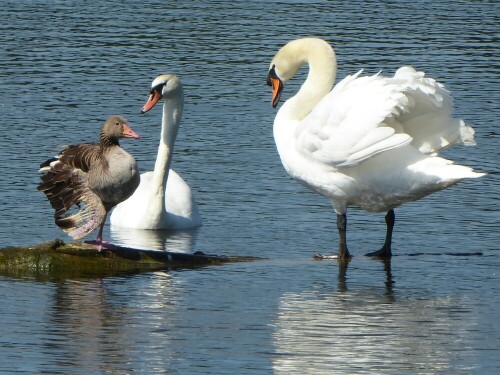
{"points": [[65, 66]]}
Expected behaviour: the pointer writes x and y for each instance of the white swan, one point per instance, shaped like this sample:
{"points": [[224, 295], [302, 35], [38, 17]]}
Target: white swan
{"points": [[163, 200], [370, 141]]}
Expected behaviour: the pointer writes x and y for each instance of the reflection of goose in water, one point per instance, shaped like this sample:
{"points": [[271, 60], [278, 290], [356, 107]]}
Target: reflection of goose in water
{"points": [[179, 241], [320, 331], [105, 325]]}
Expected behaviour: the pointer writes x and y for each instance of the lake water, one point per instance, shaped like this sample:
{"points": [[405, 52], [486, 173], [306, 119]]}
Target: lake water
{"points": [[66, 65]]}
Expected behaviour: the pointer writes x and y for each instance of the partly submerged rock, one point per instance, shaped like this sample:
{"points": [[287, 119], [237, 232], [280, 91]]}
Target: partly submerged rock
{"points": [[57, 259]]}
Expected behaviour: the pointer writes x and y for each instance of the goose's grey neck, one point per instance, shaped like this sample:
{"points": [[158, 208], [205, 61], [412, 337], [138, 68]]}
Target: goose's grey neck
{"points": [[106, 142]]}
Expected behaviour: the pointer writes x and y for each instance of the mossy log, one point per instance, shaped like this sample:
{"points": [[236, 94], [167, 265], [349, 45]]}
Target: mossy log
{"points": [[57, 259]]}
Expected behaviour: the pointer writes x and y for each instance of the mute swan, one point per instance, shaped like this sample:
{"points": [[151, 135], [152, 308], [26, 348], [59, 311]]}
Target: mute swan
{"points": [[95, 177], [370, 142], [163, 200]]}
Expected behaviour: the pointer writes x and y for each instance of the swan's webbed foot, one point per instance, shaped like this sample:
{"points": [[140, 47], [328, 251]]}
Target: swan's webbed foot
{"points": [[342, 256], [384, 252], [319, 256]]}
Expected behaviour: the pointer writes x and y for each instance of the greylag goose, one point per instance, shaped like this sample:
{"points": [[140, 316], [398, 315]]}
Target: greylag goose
{"points": [[370, 142], [163, 200], [94, 177]]}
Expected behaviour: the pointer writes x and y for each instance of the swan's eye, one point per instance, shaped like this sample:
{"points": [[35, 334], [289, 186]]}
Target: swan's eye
{"points": [[271, 74], [158, 88]]}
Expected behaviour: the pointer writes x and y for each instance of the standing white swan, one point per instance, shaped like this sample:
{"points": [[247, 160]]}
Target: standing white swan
{"points": [[163, 199], [370, 141]]}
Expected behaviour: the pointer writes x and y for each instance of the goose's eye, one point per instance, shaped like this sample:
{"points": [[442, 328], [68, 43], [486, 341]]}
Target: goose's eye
{"points": [[117, 123]]}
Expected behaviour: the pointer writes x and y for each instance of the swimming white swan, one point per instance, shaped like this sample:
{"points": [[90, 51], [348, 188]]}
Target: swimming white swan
{"points": [[163, 200], [370, 142]]}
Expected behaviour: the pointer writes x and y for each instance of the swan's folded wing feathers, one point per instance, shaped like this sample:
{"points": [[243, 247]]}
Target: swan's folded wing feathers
{"points": [[429, 121], [397, 140], [347, 126], [373, 137]]}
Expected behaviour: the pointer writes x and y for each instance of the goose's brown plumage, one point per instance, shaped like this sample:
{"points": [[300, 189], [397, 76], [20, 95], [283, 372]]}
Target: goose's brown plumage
{"points": [[94, 177]]}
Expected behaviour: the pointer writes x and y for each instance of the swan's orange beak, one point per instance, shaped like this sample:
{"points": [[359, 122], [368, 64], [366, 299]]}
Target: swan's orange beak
{"points": [[277, 85], [129, 133], [153, 99]]}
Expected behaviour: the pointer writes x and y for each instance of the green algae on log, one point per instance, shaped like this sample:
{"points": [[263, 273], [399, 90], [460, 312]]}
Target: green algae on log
{"points": [[58, 259]]}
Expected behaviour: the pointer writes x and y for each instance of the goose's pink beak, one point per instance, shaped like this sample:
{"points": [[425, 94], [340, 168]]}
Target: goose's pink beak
{"points": [[129, 133]]}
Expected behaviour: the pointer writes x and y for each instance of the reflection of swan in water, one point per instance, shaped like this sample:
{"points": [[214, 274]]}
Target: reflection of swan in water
{"points": [[342, 285], [179, 241], [323, 331]]}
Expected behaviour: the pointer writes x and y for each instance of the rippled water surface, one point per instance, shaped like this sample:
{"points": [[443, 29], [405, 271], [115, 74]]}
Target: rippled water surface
{"points": [[65, 66]]}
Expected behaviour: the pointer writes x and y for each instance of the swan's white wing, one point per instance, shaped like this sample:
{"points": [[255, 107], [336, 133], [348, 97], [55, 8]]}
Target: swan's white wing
{"points": [[180, 211], [428, 118], [350, 124], [364, 116], [179, 200]]}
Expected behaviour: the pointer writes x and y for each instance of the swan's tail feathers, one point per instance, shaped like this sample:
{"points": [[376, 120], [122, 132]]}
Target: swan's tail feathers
{"points": [[459, 172], [467, 134], [66, 188], [444, 170]]}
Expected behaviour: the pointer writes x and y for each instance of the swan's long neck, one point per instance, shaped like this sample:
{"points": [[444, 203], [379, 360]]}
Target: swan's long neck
{"points": [[172, 112], [320, 57]]}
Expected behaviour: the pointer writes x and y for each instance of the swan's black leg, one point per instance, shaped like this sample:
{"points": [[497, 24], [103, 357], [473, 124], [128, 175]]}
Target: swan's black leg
{"points": [[342, 226], [343, 254], [385, 251]]}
